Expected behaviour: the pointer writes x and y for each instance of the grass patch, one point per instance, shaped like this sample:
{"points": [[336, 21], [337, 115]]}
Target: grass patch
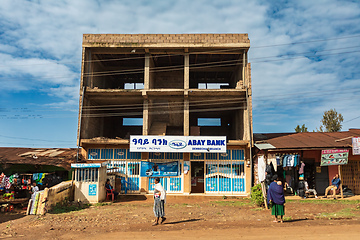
{"points": [[102, 204], [231, 203], [346, 213], [322, 201], [287, 218], [257, 209], [65, 207]]}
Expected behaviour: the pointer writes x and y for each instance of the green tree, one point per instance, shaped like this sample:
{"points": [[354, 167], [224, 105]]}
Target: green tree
{"points": [[301, 129], [331, 121]]}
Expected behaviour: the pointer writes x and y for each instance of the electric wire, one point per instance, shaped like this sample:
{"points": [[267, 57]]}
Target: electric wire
{"points": [[201, 65], [203, 52]]}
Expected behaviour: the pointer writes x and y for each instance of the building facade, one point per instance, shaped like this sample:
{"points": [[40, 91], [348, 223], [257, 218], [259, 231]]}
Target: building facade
{"points": [[168, 85]]}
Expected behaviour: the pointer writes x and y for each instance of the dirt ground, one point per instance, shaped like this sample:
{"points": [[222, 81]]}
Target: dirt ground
{"points": [[189, 217]]}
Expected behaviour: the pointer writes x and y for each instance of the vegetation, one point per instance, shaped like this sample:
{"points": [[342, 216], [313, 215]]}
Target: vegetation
{"points": [[299, 129], [67, 206], [331, 121], [257, 196]]}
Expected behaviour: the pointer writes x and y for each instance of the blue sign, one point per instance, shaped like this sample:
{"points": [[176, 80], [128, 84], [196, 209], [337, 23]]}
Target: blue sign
{"points": [[214, 144], [85, 165], [92, 190], [151, 169]]}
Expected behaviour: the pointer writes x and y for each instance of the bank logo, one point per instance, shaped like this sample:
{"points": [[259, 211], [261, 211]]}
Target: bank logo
{"points": [[177, 144]]}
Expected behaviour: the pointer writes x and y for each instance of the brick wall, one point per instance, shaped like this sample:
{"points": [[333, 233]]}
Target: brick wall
{"points": [[164, 38]]}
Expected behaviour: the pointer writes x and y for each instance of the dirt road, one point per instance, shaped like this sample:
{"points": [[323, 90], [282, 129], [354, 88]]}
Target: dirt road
{"points": [[189, 218]]}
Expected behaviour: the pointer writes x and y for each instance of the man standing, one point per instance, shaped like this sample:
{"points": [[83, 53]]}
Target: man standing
{"points": [[159, 202], [335, 184]]}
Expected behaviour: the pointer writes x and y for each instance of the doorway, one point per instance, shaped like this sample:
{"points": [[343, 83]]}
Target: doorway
{"points": [[197, 177], [322, 178]]}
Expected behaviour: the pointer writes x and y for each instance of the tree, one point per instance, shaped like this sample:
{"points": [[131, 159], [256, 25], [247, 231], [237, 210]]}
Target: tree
{"points": [[331, 121], [301, 129]]}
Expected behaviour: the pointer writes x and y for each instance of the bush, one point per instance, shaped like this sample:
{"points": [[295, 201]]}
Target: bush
{"points": [[257, 196]]}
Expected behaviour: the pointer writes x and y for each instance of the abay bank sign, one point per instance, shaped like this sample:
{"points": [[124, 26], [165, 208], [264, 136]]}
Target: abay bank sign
{"points": [[140, 143]]}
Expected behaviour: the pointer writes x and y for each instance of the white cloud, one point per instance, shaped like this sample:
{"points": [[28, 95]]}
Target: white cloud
{"points": [[41, 43]]}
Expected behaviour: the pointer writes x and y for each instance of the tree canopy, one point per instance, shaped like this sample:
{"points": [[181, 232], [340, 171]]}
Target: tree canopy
{"points": [[301, 129], [331, 121]]}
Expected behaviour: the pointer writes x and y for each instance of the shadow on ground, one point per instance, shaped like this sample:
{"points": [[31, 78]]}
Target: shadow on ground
{"points": [[183, 221], [298, 220], [6, 217]]}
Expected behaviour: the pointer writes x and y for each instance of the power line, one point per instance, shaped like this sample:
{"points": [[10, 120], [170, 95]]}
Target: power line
{"points": [[201, 52], [33, 139], [215, 64]]}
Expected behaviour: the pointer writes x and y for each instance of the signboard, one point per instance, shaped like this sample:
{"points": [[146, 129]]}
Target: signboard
{"points": [[85, 165], [334, 157], [92, 190], [139, 143], [151, 169], [356, 146]]}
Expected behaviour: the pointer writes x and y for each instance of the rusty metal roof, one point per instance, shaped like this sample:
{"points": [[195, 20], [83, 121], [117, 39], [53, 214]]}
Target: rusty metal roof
{"points": [[309, 139], [60, 157]]}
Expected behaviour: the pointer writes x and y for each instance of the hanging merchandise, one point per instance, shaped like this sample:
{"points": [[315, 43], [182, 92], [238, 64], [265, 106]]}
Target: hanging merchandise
{"points": [[261, 168], [290, 160], [272, 159], [279, 161], [38, 178], [302, 167], [7, 183]]}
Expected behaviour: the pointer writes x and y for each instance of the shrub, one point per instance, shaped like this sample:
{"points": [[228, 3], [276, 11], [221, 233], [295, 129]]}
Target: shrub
{"points": [[257, 196]]}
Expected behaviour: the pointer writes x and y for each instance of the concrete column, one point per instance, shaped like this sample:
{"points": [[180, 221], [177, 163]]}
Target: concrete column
{"points": [[186, 71], [147, 72], [243, 70], [248, 172], [186, 117], [187, 177], [146, 117]]}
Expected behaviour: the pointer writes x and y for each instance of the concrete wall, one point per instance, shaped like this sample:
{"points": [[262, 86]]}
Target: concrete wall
{"points": [[59, 193]]}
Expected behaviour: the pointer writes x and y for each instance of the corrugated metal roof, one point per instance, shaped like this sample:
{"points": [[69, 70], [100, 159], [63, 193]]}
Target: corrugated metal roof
{"points": [[61, 157], [310, 139], [263, 146]]}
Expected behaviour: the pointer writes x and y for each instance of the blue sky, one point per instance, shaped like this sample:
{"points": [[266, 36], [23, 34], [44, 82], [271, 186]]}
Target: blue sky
{"points": [[304, 54]]}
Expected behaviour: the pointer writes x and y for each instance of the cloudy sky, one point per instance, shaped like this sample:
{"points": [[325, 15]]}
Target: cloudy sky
{"points": [[304, 54]]}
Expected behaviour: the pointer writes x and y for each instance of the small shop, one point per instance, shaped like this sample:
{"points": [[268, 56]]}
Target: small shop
{"points": [[19, 167], [314, 156]]}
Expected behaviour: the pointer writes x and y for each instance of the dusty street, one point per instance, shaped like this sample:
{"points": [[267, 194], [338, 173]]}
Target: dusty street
{"points": [[189, 218]]}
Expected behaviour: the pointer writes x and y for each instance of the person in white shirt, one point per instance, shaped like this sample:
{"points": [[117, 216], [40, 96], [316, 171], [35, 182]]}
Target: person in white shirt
{"points": [[159, 202], [34, 188], [307, 190]]}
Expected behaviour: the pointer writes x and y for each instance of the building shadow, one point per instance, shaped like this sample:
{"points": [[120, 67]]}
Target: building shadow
{"points": [[6, 217], [183, 221], [298, 220]]}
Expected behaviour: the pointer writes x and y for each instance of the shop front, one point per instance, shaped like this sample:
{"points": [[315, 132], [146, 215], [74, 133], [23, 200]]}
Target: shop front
{"points": [[314, 156], [207, 172]]}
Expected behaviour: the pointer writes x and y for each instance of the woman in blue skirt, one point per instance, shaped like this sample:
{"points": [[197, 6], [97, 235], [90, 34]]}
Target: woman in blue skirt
{"points": [[276, 199]]}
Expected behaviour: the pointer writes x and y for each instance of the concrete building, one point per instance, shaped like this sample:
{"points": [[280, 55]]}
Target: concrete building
{"points": [[168, 85]]}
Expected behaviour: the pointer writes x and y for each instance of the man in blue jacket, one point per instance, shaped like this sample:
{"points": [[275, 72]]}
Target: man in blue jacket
{"points": [[335, 184]]}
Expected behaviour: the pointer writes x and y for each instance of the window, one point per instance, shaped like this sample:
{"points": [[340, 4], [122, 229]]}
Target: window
{"points": [[132, 121], [133, 86], [209, 122]]}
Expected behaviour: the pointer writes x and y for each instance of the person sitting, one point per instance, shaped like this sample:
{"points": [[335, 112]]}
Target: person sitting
{"points": [[109, 187], [335, 183], [307, 190]]}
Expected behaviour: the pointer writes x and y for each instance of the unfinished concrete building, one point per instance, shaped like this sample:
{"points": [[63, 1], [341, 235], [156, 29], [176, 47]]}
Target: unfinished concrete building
{"points": [[168, 84]]}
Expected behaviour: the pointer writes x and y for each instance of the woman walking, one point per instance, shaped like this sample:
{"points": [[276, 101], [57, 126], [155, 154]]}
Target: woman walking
{"points": [[276, 199], [159, 202]]}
